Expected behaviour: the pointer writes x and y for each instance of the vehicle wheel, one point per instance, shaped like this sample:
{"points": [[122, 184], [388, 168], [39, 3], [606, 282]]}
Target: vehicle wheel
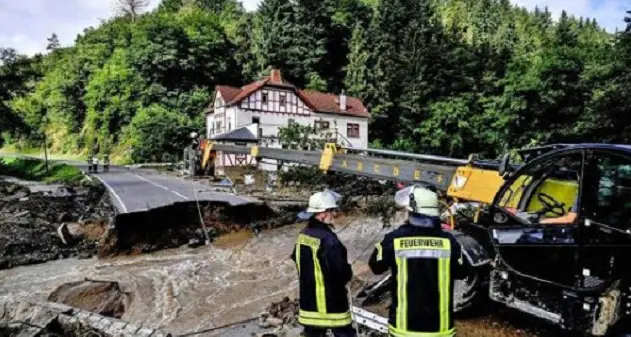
{"points": [[470, 291]]}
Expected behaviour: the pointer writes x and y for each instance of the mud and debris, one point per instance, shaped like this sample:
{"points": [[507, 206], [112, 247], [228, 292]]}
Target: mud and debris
{"points": [[57, 222], [281, 313]]}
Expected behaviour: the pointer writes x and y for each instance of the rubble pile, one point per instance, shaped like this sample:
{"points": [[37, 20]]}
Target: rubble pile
{"points": [[180, 224], [281, 313], [52, 223]]}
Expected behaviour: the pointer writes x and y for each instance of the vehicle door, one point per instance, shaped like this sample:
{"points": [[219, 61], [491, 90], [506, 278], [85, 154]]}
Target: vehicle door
{"points": [[547, 188], [606, 218]]}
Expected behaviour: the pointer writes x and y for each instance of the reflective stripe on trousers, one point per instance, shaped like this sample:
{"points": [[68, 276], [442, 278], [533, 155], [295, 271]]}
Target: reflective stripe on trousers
{"points": [[401, 333], [324, 320]]}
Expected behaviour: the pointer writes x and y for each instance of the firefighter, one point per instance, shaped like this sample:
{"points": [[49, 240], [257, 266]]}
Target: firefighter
{"points": [[424, 260], [323, 271], [106, 163]]}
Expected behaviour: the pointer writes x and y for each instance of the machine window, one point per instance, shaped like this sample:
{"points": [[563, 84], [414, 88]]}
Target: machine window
{"points": [[607, 192], [547, 192]]}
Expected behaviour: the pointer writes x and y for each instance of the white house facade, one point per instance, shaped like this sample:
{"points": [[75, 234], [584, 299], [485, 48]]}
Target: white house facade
{"points": [[271, 103]]}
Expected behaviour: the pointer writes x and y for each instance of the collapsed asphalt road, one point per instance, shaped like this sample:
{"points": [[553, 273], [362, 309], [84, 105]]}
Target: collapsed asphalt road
{"points": [[138, 190], [133, 190]]}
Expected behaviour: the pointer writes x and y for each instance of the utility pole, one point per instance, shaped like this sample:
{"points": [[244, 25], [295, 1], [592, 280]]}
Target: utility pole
{"points": [[46, 154]]}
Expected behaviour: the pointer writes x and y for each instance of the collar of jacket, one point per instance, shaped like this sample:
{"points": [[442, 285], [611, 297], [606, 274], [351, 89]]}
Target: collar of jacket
{"points": [[315, 223], [425, 221]]}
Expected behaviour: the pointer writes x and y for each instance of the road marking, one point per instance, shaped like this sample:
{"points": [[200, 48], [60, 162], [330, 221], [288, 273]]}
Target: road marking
{"points": [[152, 183], [120, 201], [181, 196], [163, 187]]}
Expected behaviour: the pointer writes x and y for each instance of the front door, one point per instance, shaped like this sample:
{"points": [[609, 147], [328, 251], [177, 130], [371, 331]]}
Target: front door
{"points": [[535, 217]]}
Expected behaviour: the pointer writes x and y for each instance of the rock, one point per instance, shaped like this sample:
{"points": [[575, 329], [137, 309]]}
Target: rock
{"points": [[105, 298], [63, 216], [270, 322], [274, 322]]}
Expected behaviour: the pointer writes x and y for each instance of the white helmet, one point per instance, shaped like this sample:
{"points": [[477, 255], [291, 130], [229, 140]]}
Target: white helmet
{"points": [[418, 199], [320, 202]]}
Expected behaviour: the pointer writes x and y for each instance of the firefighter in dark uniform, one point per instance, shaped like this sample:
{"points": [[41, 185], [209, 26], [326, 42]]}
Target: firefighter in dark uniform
{"points": [[424, 261], [106, 162], [324, 271]]}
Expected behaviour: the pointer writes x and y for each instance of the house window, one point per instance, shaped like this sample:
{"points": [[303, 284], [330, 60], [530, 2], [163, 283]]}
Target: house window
{"points": [[218, 128], [322, 125], [352, 130], [229, 124], [283, 100], [217, 103], [256, 120], [264, 98]]}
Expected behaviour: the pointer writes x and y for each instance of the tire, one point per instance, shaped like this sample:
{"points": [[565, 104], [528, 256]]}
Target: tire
{"points": [[470, 292]]}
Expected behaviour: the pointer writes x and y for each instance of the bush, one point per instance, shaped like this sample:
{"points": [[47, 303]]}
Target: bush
{"points": [[157, 134], [35, 169]]}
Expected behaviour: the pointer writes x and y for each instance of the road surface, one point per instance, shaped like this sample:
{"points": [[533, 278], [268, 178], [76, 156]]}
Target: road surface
{"points": [[139, 190], [135, 190]]}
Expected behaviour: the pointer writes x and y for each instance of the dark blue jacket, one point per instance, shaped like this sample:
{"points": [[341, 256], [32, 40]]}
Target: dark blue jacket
{"points": [[324, 271]]}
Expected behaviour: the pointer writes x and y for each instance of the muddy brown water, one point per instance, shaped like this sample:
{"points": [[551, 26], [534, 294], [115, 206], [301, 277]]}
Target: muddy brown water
{"points": [[184, 290]]}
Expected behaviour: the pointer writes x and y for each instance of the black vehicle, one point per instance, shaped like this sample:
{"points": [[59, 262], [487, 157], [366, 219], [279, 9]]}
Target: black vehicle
{"points": [[554, 242], [572, 272]]}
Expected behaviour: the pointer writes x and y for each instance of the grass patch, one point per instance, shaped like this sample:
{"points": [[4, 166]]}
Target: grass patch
{"points": [[38, 152], [35, 169]]}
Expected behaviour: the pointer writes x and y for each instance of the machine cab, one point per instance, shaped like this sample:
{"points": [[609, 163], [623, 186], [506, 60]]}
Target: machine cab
{"points": [[564, 218]]}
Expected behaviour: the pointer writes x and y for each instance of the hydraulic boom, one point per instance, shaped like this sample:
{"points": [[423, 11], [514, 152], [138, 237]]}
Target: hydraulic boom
{"points": [[468, 179]]}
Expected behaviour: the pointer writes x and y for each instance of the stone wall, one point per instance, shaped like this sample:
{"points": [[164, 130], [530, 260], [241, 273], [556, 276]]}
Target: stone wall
{"points": [[37, 319]]}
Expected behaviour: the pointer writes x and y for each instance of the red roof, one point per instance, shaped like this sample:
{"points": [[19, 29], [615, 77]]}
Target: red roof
{"points": [[330, 103], [317, 101], [228, 93]]}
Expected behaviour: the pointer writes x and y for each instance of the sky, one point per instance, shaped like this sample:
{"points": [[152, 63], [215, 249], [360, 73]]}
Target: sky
{"points": [[26, 24]]}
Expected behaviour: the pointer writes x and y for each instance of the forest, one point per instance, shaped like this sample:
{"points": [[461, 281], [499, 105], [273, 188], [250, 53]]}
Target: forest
{"points": [[448, 77]]}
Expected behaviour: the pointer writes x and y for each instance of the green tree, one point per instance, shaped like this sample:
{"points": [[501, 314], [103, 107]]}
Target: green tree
{"points": [[273, 38], [358, 72], [53, 43], [156, 134]]}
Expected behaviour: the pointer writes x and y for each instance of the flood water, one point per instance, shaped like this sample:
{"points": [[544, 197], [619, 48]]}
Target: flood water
{"points": [[184, 290]]}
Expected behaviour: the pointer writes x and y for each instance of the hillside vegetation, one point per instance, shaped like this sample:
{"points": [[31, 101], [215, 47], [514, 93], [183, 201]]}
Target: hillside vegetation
{"points": [[439, 76]]}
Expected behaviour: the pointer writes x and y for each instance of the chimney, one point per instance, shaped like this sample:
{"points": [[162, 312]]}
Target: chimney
{"points": [[276, 76], [343, 101]]}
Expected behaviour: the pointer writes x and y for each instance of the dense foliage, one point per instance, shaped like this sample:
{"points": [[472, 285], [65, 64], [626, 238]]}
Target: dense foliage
{"points": [[440, 76]]}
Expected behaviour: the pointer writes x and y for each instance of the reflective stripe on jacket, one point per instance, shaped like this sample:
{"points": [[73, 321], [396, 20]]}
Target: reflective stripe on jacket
{"points": [[424, 261], [323, 269]]}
